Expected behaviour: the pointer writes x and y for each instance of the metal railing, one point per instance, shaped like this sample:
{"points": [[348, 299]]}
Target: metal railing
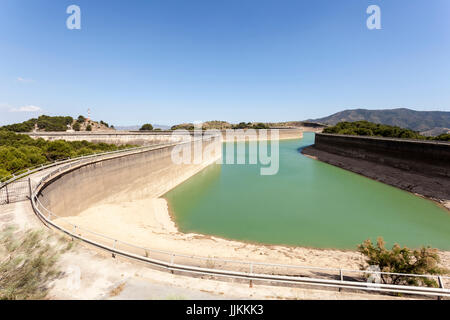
{"points": [[228, 268]]}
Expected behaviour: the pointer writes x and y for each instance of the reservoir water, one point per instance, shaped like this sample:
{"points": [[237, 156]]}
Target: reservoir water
{"points": [[308, 203]]}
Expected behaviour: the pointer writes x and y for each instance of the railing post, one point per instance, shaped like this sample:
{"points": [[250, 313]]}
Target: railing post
{"points": [[114, 247], [251, 272], [7, 195], [441, 285], [171, 261], [74, 230], [341, 277], [29, 187]]}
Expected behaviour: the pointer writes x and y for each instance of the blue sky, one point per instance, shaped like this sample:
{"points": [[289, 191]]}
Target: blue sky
{"points": [[173, 61]]}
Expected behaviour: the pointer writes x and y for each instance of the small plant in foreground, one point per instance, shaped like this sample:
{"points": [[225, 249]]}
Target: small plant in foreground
{"points": [[28, 263], [402, 260]]}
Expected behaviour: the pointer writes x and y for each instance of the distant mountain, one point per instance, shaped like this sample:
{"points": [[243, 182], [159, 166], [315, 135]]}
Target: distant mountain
{"points": [[432, 121]]}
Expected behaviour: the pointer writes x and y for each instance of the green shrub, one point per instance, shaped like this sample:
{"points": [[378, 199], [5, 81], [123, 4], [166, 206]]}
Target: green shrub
{"points": [[28, 263], [402, 260], [366, 128], [88, 127], [76, 126], [146, 127], [443, 137], [19, 151], [81, 119]]}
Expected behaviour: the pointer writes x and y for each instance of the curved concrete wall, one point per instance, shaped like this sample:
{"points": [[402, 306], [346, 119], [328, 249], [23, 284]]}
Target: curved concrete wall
{"points": [[425, 157], [139, 138], [114, 137], [124, 178]]}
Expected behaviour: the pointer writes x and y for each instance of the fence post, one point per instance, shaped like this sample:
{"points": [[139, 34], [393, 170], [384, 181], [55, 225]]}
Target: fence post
{"points": [[251, 272], [114, 247], [441, 285], [29, 186], [342, 278], [7, 195]]}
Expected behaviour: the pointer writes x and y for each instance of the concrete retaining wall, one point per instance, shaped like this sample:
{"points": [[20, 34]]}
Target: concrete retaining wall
{"points": [[139, 138], [147, 174], [114, 137], [425, 157]]}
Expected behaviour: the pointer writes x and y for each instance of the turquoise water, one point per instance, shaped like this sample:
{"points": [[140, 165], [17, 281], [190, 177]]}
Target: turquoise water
{"points": [[308, 203]]}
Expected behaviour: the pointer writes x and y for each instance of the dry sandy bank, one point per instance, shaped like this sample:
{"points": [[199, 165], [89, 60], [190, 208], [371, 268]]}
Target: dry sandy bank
{"points": [[147, 223]]}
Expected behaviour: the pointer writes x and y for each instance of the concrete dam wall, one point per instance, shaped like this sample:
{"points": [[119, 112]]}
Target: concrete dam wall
{"points": [[114, 137], [147, 174], [143, 138], [426, 157], [420, 167]]}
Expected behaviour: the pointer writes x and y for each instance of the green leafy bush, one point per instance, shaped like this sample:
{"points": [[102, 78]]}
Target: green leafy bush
{"points": [[19, 151], [44, 122], [28, 263], [146, 127], [366, 128], [402, 260], [76, 126], [81, 119]]}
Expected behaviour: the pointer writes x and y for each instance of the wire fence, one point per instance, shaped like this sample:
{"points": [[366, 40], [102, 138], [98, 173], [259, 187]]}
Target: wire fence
{"points": [[365, 280], [14, 192]]}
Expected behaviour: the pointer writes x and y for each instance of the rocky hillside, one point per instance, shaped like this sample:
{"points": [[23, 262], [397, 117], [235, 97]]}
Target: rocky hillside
{"points": [[58, 123], [427, 122]]}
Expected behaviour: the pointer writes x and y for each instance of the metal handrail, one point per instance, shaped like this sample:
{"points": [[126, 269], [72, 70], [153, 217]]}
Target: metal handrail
{"points": [[36, 203]]}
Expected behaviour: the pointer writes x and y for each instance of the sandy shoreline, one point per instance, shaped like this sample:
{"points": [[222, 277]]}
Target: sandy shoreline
{"points": [[147, 223]]}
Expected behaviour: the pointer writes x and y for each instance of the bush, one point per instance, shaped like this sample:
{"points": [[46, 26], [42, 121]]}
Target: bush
{"points": [[81, 119], [19, 151], [260, 125], [88, 127], [366, 128], [443, 137], [146, 127], [402, 260], [76, 126], [31, 263]]}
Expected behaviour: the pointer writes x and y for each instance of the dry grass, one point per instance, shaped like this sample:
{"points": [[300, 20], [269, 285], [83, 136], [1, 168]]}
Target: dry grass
{"points": [[117, 290], [28, 263]]}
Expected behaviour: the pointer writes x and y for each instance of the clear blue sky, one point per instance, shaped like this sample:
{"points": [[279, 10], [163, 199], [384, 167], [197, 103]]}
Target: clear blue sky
{"points": [[170, 61]]}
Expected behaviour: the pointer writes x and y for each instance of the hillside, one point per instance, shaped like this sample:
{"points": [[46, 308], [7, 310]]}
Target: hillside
{"points": [[222, 125], [58, 123], [435, 122], [365, 128]]}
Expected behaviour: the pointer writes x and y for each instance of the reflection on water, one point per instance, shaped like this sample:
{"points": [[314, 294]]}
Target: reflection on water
{"points": [[308, 203]]}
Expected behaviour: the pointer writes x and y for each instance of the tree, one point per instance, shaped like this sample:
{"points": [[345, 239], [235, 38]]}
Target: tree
{"points": [[19, 151], [402, 260], [260, 125], [88, 127], [146, 127], [81, 119], [76, 126]]}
